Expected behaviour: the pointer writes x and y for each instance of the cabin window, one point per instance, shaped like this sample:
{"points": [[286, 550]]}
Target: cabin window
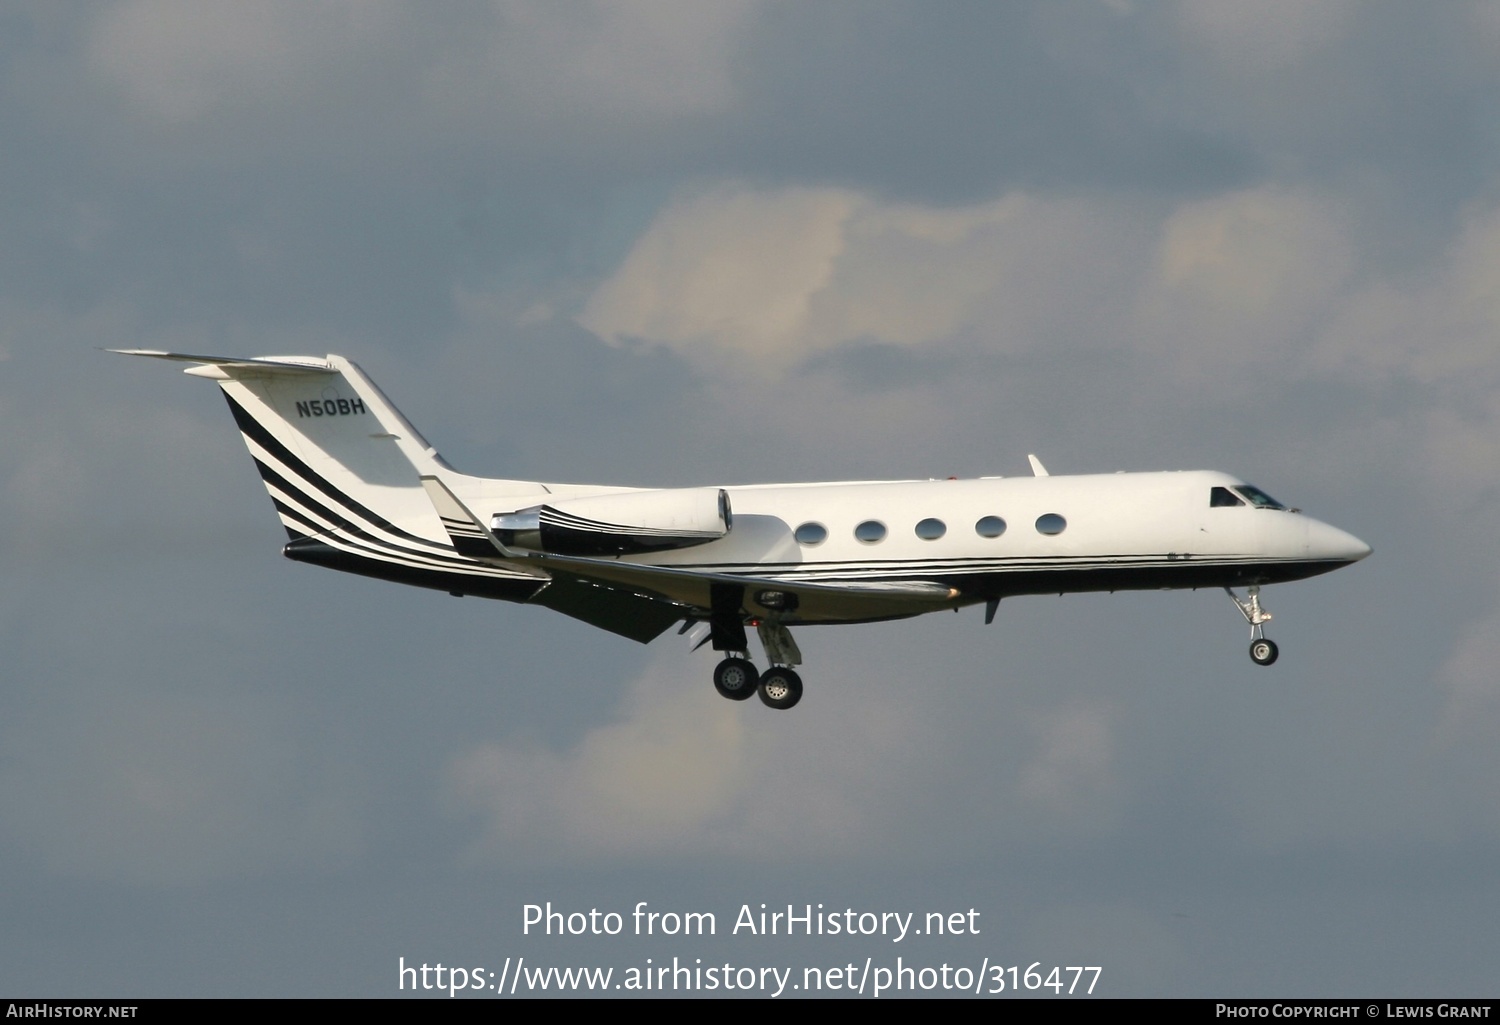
{"points": [[931, 529], [1051, 523], [810, 534], [870, 531], [1222, 498], [990, 526]]}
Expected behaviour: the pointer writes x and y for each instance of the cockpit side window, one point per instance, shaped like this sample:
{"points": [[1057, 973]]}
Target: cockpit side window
{"points": [[1221, 497], [1258, 498]]}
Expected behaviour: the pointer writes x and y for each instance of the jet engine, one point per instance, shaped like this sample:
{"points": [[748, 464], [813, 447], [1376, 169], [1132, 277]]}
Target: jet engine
{"points": [[626, 523]]}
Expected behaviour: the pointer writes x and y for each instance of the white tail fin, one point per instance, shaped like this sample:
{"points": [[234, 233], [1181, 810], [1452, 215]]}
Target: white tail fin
{"points": [[344, 469]]}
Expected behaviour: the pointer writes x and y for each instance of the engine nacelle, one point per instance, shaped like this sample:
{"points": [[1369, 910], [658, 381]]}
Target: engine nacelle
{"points": [[627, 523]]}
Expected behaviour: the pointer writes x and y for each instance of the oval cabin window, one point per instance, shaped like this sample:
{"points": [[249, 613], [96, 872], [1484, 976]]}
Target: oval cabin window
{"points": [[1051, 523], [931, 529], [990, 526], [811, 534]]}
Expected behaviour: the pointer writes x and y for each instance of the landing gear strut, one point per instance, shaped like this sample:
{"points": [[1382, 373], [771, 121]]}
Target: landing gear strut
{"points": [[1263, 650], [780, 686]]}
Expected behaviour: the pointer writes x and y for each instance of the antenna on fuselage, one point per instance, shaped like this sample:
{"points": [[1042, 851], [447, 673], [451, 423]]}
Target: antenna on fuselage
{"points": [[1037, 469]]}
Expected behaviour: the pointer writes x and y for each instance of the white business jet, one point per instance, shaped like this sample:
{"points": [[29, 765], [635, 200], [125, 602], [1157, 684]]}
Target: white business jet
{"points": [[359, 490]]}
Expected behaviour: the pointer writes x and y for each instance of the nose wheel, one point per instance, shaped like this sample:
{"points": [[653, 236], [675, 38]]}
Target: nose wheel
{"points": [[1263, 650]]}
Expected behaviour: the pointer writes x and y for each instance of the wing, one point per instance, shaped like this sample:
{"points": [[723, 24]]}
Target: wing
{"points": [[688, 592]]}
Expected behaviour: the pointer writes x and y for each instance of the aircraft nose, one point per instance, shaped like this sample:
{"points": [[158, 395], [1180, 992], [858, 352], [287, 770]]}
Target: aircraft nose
{"points": [[1333, 544]]}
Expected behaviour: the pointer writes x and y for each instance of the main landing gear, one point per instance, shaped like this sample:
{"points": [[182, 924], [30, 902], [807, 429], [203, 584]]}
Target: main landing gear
{"points": [[734, 678], [779, 687], [1263, 650]]}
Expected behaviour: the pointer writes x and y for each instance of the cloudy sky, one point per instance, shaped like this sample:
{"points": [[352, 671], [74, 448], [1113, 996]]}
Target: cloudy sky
{"points": [[675, 243]]}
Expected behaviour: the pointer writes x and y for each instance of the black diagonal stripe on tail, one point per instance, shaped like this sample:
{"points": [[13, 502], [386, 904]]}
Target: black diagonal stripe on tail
{"points": [[434, 554], [440, 557], [287, 512], [378, 551], [254, 429]]}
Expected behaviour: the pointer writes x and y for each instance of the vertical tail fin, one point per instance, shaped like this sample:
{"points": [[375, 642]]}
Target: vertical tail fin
{"points": [[344, 469]]}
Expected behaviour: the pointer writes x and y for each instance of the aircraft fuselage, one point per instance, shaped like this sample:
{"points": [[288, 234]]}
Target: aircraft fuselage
{"points": [[358, 489], [992, 537]]}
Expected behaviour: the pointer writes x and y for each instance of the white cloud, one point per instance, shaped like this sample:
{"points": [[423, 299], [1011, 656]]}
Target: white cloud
{"points": [[1229, 293], [734, 271], [1441, 326], [681, 773], [1242, 277], [654, 779], [1434, 332], [766, 278]]}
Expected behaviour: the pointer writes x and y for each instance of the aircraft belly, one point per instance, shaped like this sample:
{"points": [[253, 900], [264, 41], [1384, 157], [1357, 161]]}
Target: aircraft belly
{"points": [[1160, 576], [974, 585], [479, 581]]}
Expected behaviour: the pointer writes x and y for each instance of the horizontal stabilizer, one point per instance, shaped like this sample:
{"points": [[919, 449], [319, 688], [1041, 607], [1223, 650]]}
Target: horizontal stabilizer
{"points": [[284, 364]]}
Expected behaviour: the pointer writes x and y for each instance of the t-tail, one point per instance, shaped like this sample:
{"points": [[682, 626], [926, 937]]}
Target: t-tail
{"points": [[344, 470]]}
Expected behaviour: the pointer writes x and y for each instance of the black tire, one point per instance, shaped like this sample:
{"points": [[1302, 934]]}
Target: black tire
{"points": [[735, 678], [1263, 651], [780, 687]]}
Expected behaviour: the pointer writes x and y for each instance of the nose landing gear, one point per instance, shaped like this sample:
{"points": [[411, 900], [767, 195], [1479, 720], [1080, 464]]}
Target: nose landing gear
{"points": [[1263, 650]]}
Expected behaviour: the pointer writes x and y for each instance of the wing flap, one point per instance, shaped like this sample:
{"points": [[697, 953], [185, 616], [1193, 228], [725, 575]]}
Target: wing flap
{"points": [[624, 612], [763, 594]]}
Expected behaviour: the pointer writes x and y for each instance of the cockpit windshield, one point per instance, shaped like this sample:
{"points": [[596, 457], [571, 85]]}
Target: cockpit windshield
{"points": [[1257, 497], [1241, 494]]}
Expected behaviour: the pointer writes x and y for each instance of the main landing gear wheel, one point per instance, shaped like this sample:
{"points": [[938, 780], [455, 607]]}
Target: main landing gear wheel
{"points": [[780, 687], [734, 678], [1263, 651]]}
